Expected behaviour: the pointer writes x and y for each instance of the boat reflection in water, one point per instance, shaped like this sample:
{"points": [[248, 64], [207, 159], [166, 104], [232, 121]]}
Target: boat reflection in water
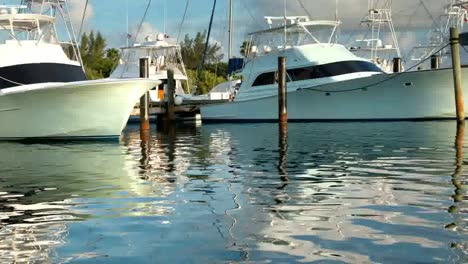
{"points": [[346, 192], [44, 187], [377, 192]]}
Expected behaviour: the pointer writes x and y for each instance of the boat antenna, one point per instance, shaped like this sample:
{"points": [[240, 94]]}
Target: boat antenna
{"points": [[305, 9], [202, 65], [183, 20], [127, 37], [336, 10], [165, 16], [82, 19], [230, 30], [285, 27], [143, 19]]}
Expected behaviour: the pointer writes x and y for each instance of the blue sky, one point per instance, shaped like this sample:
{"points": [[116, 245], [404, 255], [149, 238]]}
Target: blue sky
{"points": [[109, 16]]}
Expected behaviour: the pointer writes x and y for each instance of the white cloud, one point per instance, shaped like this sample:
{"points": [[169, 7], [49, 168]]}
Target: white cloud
{"points": [[146, 29], [406, 13], [76, 13]]}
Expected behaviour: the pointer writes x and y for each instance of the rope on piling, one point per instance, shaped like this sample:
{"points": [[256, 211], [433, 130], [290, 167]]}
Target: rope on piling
{"points": [[379, 82]]}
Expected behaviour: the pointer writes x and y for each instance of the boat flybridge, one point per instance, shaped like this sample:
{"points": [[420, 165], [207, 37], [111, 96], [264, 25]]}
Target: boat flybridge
{"points": [[326, 81], [43, 88], [381, 44], [163, 55], [455, 15]]}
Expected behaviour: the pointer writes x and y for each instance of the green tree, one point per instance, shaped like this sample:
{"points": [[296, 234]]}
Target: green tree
{"points": [[220, 68], [192, 50], [209, 81], [98, 61], [214, 73], [244, 48]]}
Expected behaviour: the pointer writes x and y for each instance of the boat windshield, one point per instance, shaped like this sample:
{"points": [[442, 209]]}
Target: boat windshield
{"points": [[298, 34]]}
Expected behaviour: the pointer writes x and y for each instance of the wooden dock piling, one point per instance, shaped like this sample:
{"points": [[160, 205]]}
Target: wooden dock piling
{"points": [[170, 104], [396, 64], [455, 45], [435, 62], [282, 91], [144, 101]]}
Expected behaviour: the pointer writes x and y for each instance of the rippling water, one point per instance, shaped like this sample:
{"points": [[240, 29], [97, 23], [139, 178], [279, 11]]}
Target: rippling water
{"points": [[343, 192]]}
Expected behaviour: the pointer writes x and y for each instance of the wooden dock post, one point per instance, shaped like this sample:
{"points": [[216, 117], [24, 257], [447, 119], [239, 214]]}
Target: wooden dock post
{"points": [[455, 45], [396, 64], [144, 101], [435, 62], [170, 104], [282, 92]]}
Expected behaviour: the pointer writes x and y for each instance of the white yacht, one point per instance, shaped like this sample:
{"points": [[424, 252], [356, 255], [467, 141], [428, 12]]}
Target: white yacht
{"points": [[43, 92], [328, 82], [163, 54]]}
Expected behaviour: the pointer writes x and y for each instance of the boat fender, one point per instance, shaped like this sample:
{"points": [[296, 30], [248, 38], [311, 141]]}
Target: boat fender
{"points": [[178, 100]]}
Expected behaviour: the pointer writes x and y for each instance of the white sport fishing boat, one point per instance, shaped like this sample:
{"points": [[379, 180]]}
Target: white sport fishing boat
{"points": [[163, 54], [328, 82], [43, 92]]}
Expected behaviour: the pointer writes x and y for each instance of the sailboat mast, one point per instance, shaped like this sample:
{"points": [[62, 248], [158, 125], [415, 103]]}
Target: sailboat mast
{"points": [[231, 25]]}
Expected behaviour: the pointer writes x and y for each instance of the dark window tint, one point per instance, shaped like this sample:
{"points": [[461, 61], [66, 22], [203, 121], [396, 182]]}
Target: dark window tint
{"points": [[320, 71], [265, 79], [332, 69], [40, 73]]}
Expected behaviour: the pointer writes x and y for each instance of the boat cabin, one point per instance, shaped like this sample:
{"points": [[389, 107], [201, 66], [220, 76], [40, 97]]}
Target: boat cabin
{"points": [[30, 48], [162, 55]]}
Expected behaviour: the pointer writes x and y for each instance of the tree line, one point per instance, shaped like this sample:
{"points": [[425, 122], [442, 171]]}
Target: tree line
{"points": [[99, 61]]}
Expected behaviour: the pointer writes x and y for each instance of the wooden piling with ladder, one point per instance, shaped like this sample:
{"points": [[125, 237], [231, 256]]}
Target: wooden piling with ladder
{"points": [[455, 46], [282, 91], [144, 101]]}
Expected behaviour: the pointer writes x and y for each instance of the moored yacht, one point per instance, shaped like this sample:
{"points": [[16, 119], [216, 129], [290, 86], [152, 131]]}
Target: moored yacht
{"points": [[328, 82], [163, 54], [43, 92]]}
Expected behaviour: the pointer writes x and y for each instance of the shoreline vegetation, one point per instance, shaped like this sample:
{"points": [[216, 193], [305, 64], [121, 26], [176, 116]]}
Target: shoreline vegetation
{"points": [[99, 61]]}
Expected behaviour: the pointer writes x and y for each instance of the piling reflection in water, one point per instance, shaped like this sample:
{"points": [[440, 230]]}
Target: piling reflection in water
{"points": [[457, 180], [353, 192]]}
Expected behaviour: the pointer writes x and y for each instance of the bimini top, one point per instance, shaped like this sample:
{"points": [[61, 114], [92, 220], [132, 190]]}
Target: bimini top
{"points": [[299, 27], [294, 31]]}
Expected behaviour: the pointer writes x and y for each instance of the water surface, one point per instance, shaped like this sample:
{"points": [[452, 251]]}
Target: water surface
{"points": [[334, 192]]}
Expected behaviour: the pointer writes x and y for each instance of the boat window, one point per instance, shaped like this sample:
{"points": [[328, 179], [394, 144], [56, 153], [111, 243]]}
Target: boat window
{"points": [[332, 69], [265, 79], [320, 71]]}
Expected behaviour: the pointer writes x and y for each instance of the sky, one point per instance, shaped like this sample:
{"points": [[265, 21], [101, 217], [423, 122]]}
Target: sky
{"points": [[413, 18]]}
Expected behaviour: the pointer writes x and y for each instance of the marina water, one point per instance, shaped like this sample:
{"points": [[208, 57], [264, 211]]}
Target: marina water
{"points": [[336, 192]]}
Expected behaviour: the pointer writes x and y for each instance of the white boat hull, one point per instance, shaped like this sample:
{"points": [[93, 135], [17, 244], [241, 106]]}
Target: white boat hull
{"points": [[406, 96], [87, 109]]}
